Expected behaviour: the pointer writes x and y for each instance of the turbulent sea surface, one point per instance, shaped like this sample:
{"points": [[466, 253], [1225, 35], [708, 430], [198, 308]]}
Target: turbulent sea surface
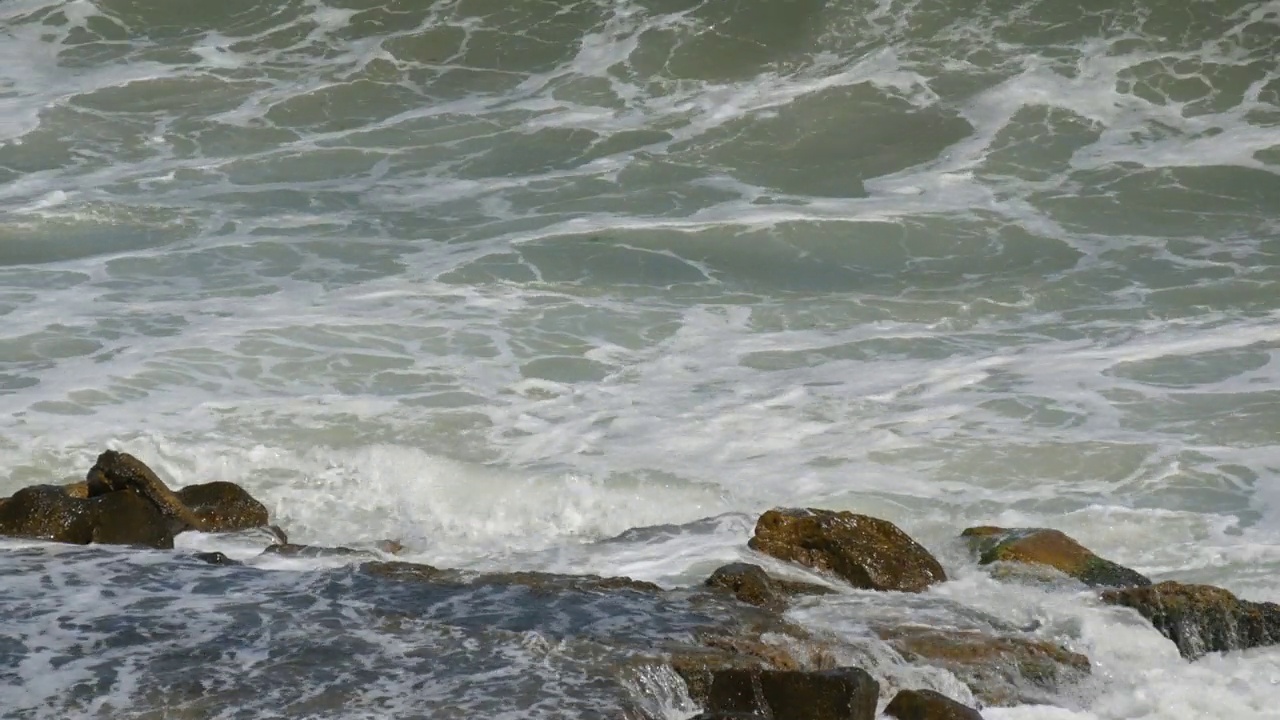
{"points": [[506, 279]]}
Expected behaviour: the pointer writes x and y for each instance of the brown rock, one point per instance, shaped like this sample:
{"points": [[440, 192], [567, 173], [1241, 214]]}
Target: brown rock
{"points": [[1201, 619], [47, 512], [867, 552], [223, 506], [127, 518], [1000, 670], [751, 584], [115, 471], [846, 693], [789, 649], [928, 705], [1052, 548]]}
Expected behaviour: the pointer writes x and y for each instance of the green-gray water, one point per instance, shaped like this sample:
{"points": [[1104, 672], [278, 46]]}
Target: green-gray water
{"points": [[506, 279]]}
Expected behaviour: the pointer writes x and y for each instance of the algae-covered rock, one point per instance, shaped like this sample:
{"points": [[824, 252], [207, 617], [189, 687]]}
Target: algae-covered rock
{"points": [[1052, 548], [867, 552], [1000, 670], [1201, 619], [928, 705], [751, 584]]}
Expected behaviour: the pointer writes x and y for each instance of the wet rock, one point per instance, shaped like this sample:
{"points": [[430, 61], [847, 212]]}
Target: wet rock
{"points": [[928, 705], [47, 512], [115, 471], [725, 716], [128, 518], [223, 506], [780, 646], [1201, 619], [867, 552], [751, 584], [1052, 548], [846, 693], [1000, 670]]}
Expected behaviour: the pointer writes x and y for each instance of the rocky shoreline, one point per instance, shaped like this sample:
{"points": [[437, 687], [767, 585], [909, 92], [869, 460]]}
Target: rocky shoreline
{"points": [[732, 650]]}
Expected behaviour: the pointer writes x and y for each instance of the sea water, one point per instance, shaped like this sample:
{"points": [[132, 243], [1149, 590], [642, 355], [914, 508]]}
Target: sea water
{"points": [[505, 280]]}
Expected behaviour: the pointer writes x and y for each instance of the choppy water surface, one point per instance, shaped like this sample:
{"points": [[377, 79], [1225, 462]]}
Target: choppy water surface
{"points": [[504, 280]]}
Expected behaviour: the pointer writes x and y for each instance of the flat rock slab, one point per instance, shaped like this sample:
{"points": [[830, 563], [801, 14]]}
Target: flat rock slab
{"points": [[841, 694], [867, 552], [1201, 619], [1051, 548], [1000, 670]]}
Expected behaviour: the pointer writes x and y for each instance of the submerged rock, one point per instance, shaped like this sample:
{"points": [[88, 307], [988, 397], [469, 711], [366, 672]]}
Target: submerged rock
{"points": [[313, 551], [537, 581], [1000, 670], [1201, 619], [846, 693], [751, 584], [1052, 548], [867, 552], [46, 512], [216, 558], [928, 705], [223, 506]]}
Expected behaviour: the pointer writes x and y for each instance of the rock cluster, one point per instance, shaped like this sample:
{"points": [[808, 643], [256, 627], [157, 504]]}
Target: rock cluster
{"points": [[764, 667], [123, 502]]}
